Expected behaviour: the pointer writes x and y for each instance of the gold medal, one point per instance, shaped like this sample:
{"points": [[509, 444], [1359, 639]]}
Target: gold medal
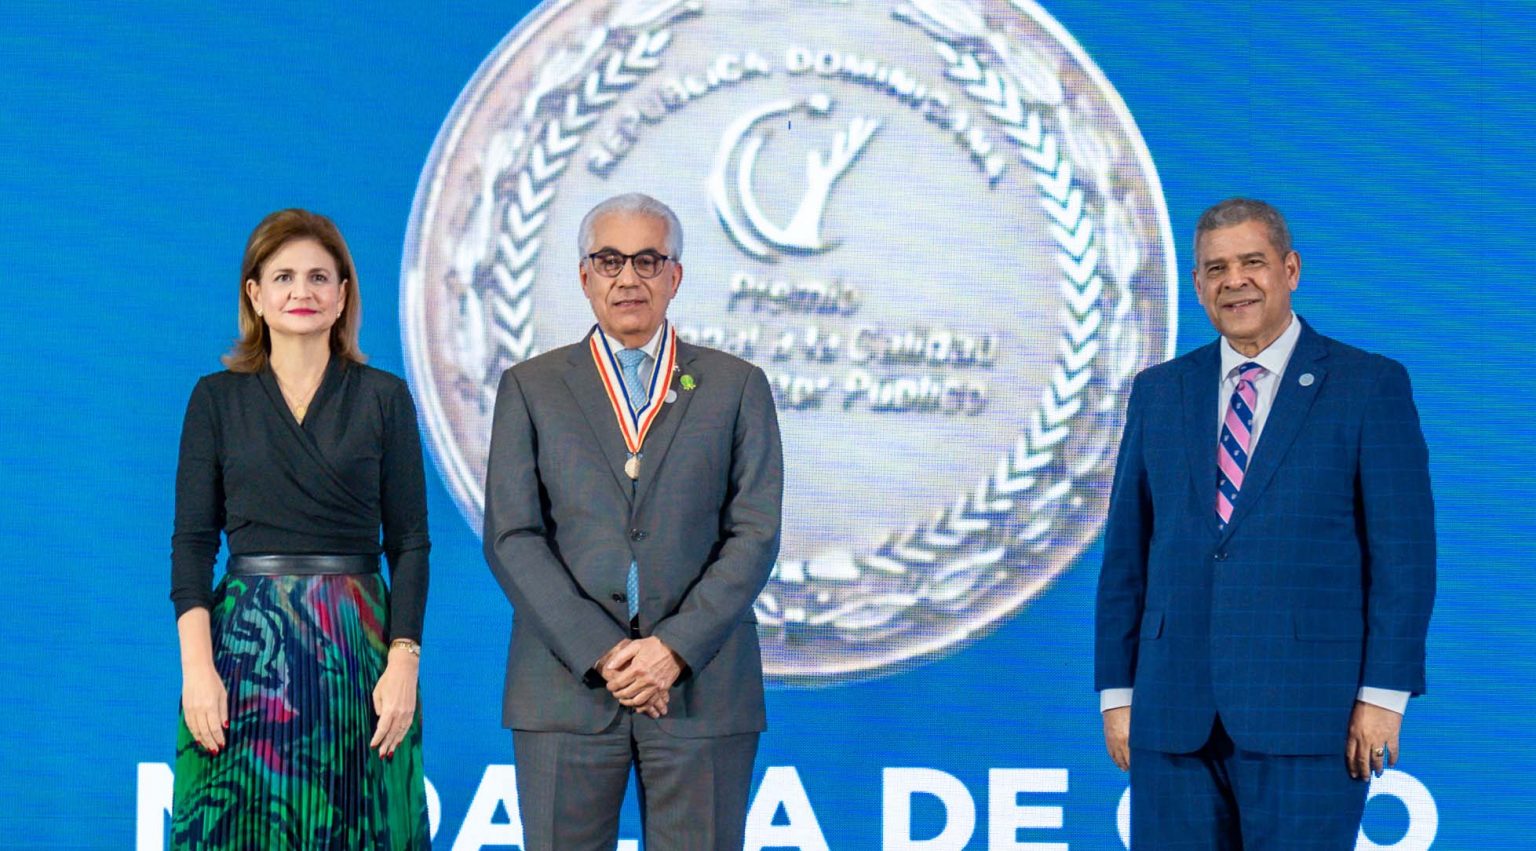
{"points": [[632, 467]]}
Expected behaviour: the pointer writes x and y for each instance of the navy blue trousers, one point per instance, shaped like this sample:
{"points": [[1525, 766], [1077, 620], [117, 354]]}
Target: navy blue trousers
{"points": [[1221, 797]]}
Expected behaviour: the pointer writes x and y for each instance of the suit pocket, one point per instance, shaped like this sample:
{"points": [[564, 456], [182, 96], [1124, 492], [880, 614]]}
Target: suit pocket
{"points": [[1151, 625], [1329, 625]]}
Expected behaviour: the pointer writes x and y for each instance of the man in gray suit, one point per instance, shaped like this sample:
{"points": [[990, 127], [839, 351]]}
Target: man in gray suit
{"points": [[632, 511]]}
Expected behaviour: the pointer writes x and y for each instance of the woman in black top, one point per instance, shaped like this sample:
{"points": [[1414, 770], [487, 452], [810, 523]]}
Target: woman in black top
{"points": [[300, 669]]}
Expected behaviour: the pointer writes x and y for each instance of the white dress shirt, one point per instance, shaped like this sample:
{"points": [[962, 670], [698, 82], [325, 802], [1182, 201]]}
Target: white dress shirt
{"points": [[1273, 359]]}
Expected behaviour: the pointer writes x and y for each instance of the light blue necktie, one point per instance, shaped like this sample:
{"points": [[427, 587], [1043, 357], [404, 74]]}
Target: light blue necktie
{"points": [[631, 362]]}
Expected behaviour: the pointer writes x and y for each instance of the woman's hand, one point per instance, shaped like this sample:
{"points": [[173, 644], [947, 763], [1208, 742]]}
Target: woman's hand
{"points": [[204, 701], [205, 706], [394, 699]]}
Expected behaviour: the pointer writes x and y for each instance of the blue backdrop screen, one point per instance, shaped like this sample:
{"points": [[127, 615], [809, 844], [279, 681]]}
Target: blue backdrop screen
{"points": [[950, 232]]}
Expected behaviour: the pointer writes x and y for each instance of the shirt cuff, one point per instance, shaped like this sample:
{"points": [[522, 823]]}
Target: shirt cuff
{"points": [[1386, 698], [1114, 698]]}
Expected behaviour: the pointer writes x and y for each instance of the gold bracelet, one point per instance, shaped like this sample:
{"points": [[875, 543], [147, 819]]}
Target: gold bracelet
{"points": [[410, 646]]}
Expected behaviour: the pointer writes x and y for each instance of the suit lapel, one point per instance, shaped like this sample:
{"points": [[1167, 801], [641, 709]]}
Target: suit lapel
{"points": [[1202, 384], [1293, 401], [659, 440], [587, 388]]}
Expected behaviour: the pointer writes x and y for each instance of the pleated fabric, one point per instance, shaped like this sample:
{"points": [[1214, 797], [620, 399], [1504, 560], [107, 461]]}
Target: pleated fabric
{"points": [[300, 656]]}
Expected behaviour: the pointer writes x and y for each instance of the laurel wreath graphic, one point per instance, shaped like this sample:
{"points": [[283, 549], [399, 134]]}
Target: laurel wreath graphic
{"points": [[524, 194], [930, 570], [946, 564]]}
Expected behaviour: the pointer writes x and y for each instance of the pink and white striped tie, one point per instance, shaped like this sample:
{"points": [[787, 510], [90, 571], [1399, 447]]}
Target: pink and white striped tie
{"points": [[1236, 440]]}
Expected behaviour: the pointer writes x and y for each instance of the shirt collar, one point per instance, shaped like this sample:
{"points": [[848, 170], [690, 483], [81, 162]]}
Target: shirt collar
{"points": [[1273, 359], [650, 348]]}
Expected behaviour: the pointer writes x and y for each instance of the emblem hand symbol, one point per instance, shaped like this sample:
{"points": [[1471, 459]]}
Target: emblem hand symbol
{"points": [[822, 171]]}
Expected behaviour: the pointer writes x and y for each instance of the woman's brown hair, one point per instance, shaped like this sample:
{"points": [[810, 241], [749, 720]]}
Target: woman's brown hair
{"points": [[251, 351]]}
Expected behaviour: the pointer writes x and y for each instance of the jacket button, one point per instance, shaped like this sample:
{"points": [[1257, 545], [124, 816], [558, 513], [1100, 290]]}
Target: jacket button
{"points": [[620, 598], [1221, 555], [637, 534]]}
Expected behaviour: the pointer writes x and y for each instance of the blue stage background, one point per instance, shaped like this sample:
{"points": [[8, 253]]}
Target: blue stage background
{"points": [[140, 145]]}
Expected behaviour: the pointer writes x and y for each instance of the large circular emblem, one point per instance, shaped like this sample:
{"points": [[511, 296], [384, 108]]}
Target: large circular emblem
{"points": [[933, 224]]}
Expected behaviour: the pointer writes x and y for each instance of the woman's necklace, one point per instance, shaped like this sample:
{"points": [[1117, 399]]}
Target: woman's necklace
{"points": [[297, 403]]}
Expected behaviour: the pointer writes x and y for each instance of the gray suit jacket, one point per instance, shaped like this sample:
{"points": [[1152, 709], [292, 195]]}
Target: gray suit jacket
{"points": [[561, 527]]}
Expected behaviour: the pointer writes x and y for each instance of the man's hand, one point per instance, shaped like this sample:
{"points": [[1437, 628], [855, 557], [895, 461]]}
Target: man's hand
{"points": [[641, 670], [1372, 729], [657, 707], [602, 661], [1117, 736]]}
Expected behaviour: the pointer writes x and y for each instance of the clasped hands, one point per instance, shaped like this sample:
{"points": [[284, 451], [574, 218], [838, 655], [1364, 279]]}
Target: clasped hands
{"points": [[639, 672]]}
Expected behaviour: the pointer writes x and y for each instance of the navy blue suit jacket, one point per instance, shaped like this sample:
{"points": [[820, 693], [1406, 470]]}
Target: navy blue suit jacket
{"points": [[1323, 581]]}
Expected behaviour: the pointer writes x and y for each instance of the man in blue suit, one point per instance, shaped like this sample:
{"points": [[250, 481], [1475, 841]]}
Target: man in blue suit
{"points": [[1269, 566]]}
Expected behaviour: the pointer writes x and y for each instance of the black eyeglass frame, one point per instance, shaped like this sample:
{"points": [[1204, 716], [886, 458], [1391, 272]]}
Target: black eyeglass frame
{"points": [[628, 260]]}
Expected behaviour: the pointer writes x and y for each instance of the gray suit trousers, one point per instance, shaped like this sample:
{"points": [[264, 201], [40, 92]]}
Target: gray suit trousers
{"points": [[693, 791]]}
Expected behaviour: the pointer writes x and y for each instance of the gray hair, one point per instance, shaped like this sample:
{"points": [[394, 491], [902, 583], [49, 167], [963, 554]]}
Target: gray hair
{"points": [[1235, 211], [632, 203]]}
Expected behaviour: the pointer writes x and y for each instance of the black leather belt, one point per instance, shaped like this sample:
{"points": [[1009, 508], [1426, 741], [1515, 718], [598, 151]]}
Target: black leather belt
{"points": [[301, 565]]}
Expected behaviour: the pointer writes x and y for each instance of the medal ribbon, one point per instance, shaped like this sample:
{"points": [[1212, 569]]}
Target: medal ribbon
{"points": [[634, 424]]}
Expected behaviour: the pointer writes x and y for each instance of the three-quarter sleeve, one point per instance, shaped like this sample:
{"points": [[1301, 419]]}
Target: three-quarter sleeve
{"points": [[403, 496], [199, 504]]}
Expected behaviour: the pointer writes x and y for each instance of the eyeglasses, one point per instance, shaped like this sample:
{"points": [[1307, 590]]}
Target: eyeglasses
{"points": [[609, 264]]}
